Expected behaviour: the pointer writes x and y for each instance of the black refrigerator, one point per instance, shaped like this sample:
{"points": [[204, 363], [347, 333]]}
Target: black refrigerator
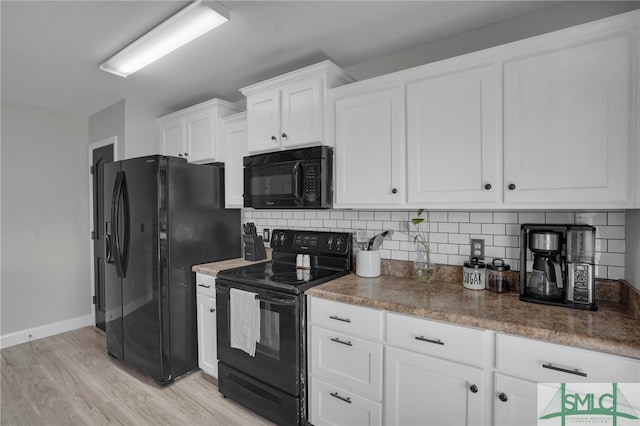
{"points": [[162, 216]]}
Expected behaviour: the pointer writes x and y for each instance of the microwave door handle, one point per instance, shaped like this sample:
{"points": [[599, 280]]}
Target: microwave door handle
{"points": [[296, 180]]}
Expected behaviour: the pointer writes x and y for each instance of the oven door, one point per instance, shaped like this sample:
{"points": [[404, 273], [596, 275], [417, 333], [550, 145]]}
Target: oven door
{"points": [[277, 358], [275, 185]]}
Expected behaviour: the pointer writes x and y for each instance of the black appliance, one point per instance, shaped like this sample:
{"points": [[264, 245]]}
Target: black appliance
{"points": [[563, 267], [162, 215], [295, 178], [273, 382]]}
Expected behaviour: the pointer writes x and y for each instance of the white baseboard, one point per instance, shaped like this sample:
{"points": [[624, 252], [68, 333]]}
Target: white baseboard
{"points": [[35, 333]]}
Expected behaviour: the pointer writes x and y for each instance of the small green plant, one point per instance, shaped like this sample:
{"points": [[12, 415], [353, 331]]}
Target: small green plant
{"points": [[421, 236]]}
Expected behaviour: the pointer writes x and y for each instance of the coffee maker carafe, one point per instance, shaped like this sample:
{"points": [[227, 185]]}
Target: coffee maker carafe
{"points": [[546, 281], [562, 270]]}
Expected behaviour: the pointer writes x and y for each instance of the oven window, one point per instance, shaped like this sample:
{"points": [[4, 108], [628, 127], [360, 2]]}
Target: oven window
{"points": [[272, 180], [269, 343]]}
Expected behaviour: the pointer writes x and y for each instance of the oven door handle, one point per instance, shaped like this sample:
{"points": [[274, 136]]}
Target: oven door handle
{"points": [[276, 301]]}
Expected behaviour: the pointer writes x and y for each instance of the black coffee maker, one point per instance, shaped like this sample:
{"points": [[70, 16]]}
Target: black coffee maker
{"points": [[551, 282]]}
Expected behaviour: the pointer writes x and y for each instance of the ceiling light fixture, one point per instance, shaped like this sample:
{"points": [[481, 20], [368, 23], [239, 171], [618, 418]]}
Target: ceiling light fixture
{"points": [[178, 30]]}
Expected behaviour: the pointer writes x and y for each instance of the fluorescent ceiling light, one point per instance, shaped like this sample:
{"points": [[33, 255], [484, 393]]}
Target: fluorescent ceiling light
{"points": [[186, 25]]}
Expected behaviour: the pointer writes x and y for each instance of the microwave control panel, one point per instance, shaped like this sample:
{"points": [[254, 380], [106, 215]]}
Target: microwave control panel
{"points": [[311, 182]]}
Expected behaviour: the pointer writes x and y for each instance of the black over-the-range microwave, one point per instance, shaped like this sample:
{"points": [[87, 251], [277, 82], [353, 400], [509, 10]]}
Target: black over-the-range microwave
{"points": [[292, 179]]}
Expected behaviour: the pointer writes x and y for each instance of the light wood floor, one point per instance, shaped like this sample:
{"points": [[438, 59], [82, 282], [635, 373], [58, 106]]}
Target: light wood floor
{"points": [[69, 379]]}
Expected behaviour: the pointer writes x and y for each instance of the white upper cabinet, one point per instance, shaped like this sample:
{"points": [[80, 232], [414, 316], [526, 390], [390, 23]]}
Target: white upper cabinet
{"points": [[196, 132], [288, 111], [235, 139], [568, 120], [549, 122], [369, 147], [453, 136]]}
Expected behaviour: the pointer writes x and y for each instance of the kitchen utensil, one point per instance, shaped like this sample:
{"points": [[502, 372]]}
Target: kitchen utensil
{"points": [[377, 242]]}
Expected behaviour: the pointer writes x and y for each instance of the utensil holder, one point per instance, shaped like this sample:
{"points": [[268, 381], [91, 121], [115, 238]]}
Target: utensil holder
{"points": [[254, 248], [368, 263]]}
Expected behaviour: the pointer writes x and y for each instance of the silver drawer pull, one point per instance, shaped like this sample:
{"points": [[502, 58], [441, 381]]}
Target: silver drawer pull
{"points": [[341, 398], [564, 370], [335, 339], [337, 318], [205, 286], [424, 339]]}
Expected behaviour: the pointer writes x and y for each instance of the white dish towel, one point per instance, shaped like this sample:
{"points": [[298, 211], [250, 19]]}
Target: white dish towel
{"points": [[245, 320]]}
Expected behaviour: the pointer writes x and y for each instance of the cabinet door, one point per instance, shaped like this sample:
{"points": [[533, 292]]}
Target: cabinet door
{"points": [[333, 405], [235, 137], [172, 137], [568, 124], [349, 361], [515, 402], [302, 113], [453, 138], [199, 126], [263, 117], [420, 389], [207, 343], [370, 146]]}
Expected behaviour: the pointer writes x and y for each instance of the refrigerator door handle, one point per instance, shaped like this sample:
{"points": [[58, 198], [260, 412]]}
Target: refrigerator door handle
{"points": [[124, 261], [115, 220], [108, 243]]}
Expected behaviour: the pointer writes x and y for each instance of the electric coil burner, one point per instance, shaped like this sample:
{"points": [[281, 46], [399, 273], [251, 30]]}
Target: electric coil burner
{"points": [[273, 382]]}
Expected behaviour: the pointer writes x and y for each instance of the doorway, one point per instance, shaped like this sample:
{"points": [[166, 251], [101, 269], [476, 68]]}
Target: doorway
{"points": [[100, 153]]}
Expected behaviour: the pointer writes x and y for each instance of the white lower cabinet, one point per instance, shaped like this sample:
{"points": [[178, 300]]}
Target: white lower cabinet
{"points": [[515, 401], [334, 405], [345, 364], [206, 312], [423, 390], [370, 367]]}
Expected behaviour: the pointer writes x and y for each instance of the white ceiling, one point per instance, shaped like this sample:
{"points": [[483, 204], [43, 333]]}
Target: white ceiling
{"points": [[51, 49]]}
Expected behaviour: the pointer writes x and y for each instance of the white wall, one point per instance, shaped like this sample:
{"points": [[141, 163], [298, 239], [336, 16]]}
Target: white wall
{"points": [[141, 131], [632, 247], [552, 18], [45, 219]]}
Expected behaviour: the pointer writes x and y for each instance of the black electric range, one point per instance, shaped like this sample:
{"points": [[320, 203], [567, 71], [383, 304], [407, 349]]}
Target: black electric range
{"points": [[272, 381]]}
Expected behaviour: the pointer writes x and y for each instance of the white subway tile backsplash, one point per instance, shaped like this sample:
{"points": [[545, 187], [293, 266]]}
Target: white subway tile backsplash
{"points": [[450, 232], [559, 217], [481, 217], [470, 228], [615, 246], [448, 227], [610, 232], [615, 218], [458, 216], [531, 217], [505, 217], [494, 228]]}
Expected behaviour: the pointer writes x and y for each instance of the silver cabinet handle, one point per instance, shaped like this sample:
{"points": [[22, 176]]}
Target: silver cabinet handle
{"points": [[347, 343], [424, 339], [565, 370], [337, 318], [205, 286], [341, 398]]}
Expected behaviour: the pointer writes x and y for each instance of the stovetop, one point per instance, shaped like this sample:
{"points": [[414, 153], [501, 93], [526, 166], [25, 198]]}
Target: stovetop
{"points": [[278, 276]]}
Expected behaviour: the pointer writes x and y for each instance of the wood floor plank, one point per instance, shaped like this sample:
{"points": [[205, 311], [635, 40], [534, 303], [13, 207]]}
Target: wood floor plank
{"points": [[69, 379]]}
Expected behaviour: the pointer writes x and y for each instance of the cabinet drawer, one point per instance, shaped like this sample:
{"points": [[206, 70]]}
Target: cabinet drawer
{"points": [[548, 362], [446, 341], [206, 285], [348, 318], [333, 405], [349, 361]]}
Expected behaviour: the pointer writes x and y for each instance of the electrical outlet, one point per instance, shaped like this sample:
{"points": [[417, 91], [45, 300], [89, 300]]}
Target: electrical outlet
{"points": [[477, 248], [266, 236]]}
